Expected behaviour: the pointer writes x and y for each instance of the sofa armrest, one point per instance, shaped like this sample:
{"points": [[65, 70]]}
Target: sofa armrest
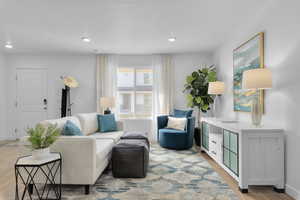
{"points": [[78, 158], [120, 125]]}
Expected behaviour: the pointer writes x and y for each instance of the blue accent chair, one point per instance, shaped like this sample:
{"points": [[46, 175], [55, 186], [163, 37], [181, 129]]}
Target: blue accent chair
{"points": [[175, 139]]}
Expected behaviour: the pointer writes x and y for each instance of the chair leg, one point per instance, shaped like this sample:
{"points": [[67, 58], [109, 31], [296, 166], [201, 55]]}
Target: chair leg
{"points": [[87, 189]]}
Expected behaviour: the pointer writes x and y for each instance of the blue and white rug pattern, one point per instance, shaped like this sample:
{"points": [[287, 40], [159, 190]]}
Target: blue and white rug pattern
{"points": [[172, 175]]}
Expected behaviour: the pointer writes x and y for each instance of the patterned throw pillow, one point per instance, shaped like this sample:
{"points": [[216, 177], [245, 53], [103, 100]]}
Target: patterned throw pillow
{"points": [[177, 123], [70, 129]]}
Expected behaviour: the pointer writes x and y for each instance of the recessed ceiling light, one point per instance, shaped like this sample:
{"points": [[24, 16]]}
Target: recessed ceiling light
{"points": [[172, 39], [9, 46], [86, 39]]}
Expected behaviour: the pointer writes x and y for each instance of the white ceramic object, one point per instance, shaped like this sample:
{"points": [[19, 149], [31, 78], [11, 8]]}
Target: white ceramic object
{"points": [[40, 154]]}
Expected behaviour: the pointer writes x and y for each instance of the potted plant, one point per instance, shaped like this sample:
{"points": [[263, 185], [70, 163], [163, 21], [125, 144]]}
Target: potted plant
{"points": [[196, 88], [41, 138]]}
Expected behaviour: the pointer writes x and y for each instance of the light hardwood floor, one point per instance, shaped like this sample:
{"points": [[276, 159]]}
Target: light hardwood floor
{"points": [[9, 154]]}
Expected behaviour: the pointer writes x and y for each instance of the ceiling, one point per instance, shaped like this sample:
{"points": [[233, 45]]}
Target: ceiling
{"points": [[120, 26]]}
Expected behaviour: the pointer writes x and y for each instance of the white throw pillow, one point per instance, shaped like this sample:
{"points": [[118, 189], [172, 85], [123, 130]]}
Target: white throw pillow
{"points": [[88, 122], [176, 123]]}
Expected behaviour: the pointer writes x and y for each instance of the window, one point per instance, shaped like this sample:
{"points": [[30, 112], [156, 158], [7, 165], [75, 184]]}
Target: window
{"points": [[134, 87]]}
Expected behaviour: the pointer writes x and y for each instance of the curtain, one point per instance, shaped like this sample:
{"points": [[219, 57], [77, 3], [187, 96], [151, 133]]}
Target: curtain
{"points": [[163, 87], [106, 76]]}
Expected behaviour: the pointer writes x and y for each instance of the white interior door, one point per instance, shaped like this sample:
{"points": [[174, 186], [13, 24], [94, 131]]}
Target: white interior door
{"points": [[32, 102]]}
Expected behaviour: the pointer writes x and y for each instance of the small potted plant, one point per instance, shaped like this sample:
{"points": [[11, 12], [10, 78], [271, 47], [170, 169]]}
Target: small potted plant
{"points": [[41, 138]]}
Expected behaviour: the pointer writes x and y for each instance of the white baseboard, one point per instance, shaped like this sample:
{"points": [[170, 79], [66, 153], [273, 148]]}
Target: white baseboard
{"points": [[293, 192], [3, 138]]}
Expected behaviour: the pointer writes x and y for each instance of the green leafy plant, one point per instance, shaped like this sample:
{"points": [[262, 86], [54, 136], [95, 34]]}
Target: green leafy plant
{"points": [[42, 137], [196, 89]]}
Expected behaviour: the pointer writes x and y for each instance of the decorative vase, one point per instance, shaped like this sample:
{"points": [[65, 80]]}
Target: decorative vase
{"points": [[256, 111], [39, 154]]}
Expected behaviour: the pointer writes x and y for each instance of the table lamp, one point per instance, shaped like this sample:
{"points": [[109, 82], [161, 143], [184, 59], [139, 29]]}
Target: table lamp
{"points": [[216, 88], [257, 79], [107, 103]]}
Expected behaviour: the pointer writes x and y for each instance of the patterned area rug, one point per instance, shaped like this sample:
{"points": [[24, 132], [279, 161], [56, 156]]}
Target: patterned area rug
{"points": [[172, 175]]}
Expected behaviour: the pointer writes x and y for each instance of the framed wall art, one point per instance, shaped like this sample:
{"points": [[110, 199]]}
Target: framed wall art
{"points": [[249, 55]]}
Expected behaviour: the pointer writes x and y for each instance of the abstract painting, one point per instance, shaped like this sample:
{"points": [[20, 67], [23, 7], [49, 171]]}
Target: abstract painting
{"points": [[249, 55]]}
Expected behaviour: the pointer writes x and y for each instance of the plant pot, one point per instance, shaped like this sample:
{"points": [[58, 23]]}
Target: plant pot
{"points": [[39, 154]]}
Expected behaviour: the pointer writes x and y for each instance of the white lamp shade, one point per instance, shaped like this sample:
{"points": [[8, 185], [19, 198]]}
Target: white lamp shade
{"points": [[257, 79], [107, 102], [216, 87]]}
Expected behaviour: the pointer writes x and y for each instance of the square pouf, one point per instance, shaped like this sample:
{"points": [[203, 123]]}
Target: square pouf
{"points": [[130, 158], [138, 135]]}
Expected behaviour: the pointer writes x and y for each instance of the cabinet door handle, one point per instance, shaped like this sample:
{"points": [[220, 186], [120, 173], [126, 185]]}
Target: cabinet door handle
{"points": [[214, 152], [214, 142]]}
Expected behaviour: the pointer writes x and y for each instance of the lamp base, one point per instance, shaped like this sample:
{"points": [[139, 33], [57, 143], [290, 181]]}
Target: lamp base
{"points": [[107, 111], [256, 112]]}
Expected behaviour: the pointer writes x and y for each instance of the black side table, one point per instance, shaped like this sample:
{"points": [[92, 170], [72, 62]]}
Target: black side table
{"points": [[28, 170]]}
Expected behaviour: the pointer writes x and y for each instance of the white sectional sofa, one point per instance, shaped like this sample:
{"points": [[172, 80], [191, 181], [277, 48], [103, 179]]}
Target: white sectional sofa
{"points": [[84, 157]]}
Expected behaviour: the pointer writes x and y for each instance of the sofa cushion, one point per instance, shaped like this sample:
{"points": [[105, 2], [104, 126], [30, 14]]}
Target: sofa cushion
{"points": [[107, 123], [103, 148], [88, 122], [70, 129], [115, 136], [61, 122]]}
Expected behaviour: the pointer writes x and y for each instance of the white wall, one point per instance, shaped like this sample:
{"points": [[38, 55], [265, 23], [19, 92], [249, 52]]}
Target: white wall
{"points": [[184, 65], [280, 22], [83, 68], [3, 96]]}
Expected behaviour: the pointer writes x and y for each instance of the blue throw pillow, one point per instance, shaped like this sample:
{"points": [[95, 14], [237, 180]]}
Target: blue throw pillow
{"points": [[182, 113], [107, 123], [70, 129]]}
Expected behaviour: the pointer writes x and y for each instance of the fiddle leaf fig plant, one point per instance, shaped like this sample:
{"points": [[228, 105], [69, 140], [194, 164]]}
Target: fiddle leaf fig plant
{"points": [[196, 89]]}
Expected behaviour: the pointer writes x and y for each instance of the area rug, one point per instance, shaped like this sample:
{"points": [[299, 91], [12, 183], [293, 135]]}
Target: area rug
{"points": [[172, 175]]}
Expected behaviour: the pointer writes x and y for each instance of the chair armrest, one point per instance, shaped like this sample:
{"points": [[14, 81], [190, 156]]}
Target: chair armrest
{"points": [[78, 157], [162, 121], [190, 129]]}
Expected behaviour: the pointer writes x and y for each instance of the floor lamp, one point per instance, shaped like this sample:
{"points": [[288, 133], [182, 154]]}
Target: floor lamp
{"points": [[66, 104]]}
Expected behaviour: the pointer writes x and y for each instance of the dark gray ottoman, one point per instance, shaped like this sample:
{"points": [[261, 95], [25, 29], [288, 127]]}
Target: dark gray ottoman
{"points": [[130, 158], [136, 135]]}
